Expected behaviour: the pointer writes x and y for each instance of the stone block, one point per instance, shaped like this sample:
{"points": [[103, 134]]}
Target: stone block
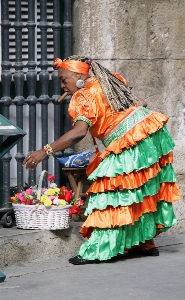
{"points": [[18, 246]]}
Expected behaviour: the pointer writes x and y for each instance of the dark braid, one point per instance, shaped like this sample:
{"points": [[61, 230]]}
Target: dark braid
{"points": [[117, 94]]}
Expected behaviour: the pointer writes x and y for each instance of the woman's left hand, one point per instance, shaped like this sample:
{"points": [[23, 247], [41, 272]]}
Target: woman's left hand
{"points": [[32, 160]]}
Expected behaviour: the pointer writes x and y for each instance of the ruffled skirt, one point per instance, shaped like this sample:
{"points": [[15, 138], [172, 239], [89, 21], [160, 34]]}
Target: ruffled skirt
{"points": [[132, 192]]}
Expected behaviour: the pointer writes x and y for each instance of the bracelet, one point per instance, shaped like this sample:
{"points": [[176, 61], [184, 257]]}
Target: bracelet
{"points": [[49, 151]]}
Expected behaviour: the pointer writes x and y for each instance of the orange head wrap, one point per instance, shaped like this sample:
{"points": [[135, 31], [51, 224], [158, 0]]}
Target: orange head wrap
{"points": [[72, 65]]}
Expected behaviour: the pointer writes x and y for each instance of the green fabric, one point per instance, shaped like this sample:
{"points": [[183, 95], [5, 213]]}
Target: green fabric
{"points": [[165, 214], [127, 197], [143, 155], [104, 244]]}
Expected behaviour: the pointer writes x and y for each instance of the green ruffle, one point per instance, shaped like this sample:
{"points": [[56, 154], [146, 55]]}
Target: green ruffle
{"points": [[127, 197], [143, 155], [104, 244], [165, 214]]}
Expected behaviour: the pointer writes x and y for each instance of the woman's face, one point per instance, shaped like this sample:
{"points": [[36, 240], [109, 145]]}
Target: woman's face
{"points": [[68, 80]]}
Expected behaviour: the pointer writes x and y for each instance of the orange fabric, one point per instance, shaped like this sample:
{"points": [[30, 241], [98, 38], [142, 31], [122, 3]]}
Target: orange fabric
{"points": [[139, 132], [166, 159], [72, 65], [90, 103], [119, 216], [124, 181], [125, 215], [93, 164], [131, 180], [169, 192], [160, 226]]}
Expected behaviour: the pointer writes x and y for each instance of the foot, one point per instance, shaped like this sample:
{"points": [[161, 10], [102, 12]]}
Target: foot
{"points": [[144, 252], [77, 260]]}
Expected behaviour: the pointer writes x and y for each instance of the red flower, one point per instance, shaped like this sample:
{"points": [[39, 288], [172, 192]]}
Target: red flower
{"points": [[12, 199], [29, 202], [74, 210], [68, 196], [51, 178], [60, 196], [63, 188]]}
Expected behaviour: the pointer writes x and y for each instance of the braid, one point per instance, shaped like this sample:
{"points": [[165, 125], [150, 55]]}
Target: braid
{"points": [[117, 94]]}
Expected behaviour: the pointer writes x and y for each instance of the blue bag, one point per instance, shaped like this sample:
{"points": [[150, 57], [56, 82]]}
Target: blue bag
{"points": [[78, 160]]}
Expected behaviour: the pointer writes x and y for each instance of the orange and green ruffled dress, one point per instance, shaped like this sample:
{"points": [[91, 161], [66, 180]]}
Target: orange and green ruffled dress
{"points": [[134, 185]]}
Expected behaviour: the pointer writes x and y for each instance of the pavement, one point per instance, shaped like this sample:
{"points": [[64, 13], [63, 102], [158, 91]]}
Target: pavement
{"points": [[128, 278]]}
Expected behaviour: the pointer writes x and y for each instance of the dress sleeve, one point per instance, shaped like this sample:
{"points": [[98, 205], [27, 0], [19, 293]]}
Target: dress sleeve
{"points": [[82, 107]]}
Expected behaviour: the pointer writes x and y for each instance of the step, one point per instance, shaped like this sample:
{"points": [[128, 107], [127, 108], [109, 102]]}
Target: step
{"points": [[18, 245]]}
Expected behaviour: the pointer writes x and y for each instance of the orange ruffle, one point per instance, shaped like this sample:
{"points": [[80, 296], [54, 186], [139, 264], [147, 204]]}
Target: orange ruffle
{"points": [[124, 215], [169, 192], [129, 181], [139, 132], [160, 226], [166, 159], [119, 216], [125, 181]]}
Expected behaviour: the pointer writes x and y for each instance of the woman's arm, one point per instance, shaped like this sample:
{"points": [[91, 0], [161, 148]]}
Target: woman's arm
{"points": [[70, 138]]}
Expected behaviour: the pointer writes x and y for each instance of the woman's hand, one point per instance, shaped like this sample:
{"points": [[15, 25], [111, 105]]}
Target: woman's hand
{"points": [[70, 138], [32, 160]]}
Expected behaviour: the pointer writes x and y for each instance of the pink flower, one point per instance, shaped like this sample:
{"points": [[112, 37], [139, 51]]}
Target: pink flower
{"points": [[44, 190], [51, 198], [29, 191], [22, 199], [18, 195], [51, 178]]}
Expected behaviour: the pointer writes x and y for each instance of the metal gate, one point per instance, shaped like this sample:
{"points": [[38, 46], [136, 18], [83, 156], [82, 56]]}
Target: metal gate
{"points": [[34, 84]]}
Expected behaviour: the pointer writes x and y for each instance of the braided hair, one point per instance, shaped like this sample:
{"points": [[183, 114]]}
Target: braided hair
{"points": [[117, 94]]}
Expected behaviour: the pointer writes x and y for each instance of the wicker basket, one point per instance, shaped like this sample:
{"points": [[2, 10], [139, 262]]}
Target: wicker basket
{"points": [[41, 217]]}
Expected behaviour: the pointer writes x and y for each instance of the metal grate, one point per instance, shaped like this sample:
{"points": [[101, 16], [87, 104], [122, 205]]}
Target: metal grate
{"points": [[24, 16]]}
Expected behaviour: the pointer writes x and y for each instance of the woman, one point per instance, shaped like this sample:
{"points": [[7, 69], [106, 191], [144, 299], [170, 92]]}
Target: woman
{"points": [[133, 185]]}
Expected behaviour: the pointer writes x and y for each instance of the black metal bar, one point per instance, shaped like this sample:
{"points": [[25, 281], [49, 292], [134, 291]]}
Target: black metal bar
{"points": [[56, 26], [19, 82], [6, 82], [31, 77], [67, 25], [44, 78]]}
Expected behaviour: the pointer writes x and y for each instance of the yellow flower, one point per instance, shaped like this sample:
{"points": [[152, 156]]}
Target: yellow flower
{"points": [[50, 192], [62, 203], [47, 202], [43, 198], [57, 190]]}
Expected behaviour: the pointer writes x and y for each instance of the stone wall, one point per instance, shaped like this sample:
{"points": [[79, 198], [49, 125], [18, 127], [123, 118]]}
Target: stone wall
{"points": [[144, 41]]}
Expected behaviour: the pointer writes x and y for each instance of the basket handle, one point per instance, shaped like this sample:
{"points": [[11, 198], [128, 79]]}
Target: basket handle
{"points": [[40, 183]]}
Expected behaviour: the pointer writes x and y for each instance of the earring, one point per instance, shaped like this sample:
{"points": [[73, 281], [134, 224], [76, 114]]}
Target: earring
{"points": [[80, 83]]}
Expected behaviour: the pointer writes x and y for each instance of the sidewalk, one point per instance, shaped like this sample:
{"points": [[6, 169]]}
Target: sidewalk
{"points": [[154, 278]]}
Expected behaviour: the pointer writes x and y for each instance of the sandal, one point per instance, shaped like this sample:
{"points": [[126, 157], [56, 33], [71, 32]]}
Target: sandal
{"points": [[77, 260]]}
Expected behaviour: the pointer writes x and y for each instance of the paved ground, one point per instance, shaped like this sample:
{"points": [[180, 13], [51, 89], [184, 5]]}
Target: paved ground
{"points": [[154, 278]]}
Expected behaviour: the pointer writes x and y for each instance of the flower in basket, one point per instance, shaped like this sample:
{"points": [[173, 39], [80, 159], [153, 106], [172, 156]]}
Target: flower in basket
{"points": [[49, 196]]}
